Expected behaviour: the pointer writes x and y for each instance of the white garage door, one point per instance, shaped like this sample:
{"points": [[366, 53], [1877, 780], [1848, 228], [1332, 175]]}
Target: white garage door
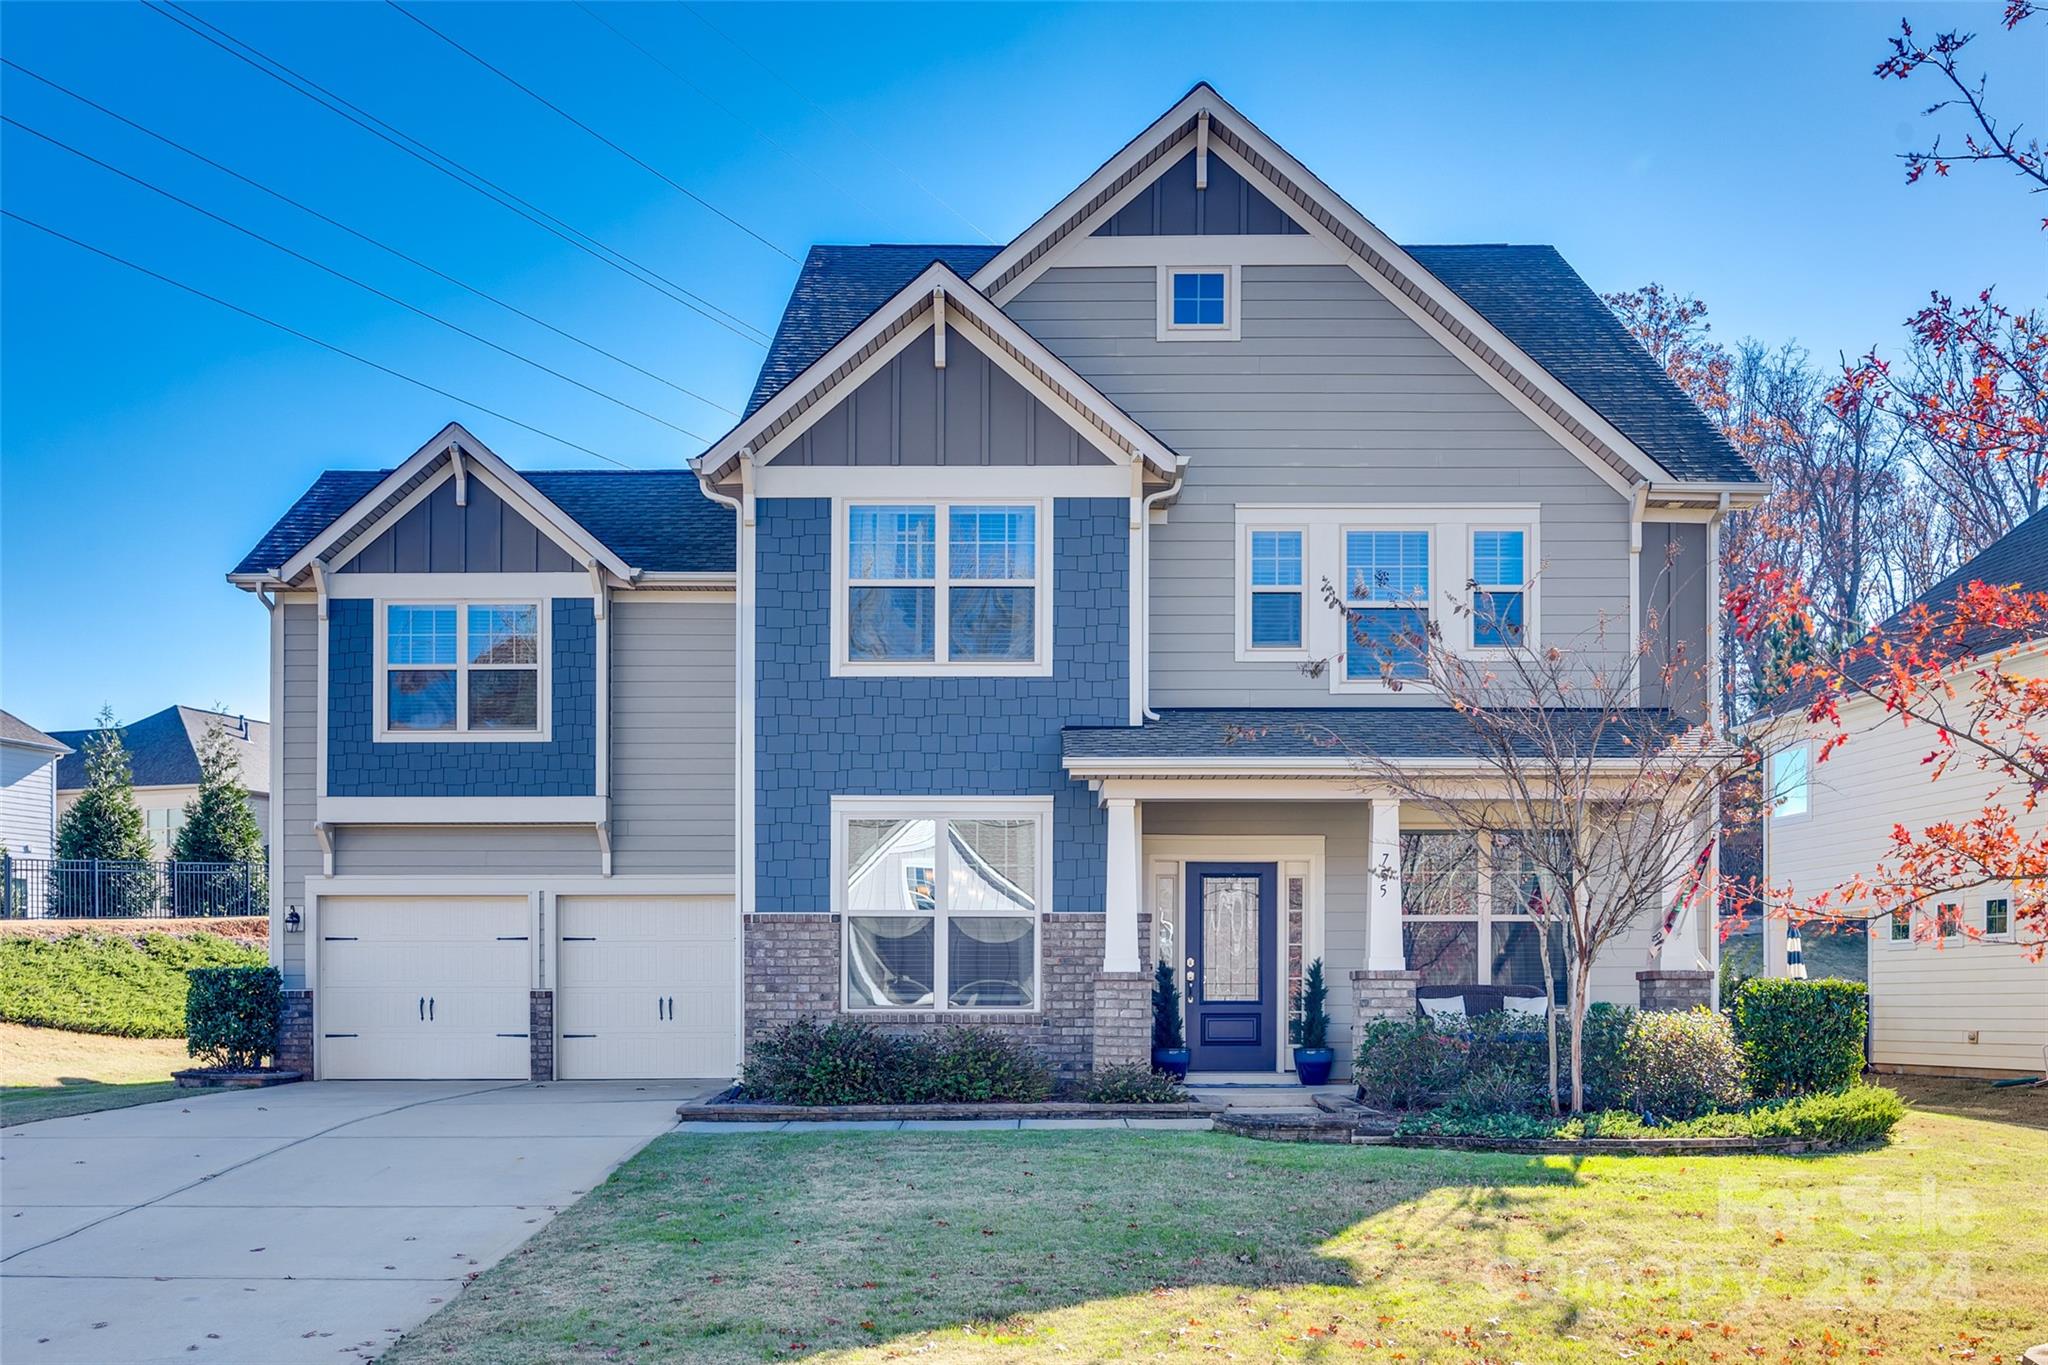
{"points": [[645, 988], [424, 988]]}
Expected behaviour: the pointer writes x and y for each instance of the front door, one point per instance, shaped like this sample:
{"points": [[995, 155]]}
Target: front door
{"points": [[1233, 1010]]}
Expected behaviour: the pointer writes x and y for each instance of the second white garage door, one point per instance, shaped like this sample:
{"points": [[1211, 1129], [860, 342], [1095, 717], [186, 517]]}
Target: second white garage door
{"points": [[424, 988], [645, 988]]}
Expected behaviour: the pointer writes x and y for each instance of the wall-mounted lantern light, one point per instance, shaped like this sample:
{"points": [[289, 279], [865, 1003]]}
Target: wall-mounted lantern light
{"points": [[292, 923]]}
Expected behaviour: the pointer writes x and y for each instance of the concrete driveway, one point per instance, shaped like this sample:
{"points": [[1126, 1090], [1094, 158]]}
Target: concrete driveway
{"points": [[302, 1223]]}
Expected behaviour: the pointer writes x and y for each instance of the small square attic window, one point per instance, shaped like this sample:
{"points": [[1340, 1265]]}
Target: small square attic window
{"points": [[1198, 303]]}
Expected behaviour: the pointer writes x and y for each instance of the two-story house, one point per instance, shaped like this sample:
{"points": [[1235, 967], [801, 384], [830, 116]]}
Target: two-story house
{"points": [[912, 698]]}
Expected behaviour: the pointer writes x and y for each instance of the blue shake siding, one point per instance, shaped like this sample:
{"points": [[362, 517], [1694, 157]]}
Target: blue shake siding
{"points": [[566, 765], [817, 736]]}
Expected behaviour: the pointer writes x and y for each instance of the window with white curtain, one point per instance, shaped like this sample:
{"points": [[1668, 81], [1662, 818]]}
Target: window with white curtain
{"points": [[941, 906]]}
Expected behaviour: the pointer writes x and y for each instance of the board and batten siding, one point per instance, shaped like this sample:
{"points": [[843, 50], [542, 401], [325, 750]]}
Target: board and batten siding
{"points": [[1925, 999], [28, 802], [1332, 396]]}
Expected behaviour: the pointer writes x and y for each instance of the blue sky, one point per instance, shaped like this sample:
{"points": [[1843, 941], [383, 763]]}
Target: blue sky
{"points": [[148, 438]]}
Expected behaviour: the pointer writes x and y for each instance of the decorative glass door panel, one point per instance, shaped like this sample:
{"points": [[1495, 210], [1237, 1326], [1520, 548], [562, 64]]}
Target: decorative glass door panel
{"points": [[1230, 938], [1232, 994]]}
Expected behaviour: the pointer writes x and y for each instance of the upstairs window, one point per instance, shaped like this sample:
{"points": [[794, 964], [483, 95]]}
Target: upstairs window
{"points": [[938, 586], [1198, 298], [1499, 589], [1386, 600], [1198, 303], [1997, 917], [1276, 590], [471, 669], [1902, 925], [1791, 781]]}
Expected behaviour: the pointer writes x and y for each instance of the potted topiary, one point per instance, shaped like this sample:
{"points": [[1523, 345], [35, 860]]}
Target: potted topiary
{"points": [[1169, 1046], [1313, 1055]]}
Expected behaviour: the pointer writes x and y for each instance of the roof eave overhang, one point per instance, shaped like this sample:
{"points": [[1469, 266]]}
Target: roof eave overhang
{"points": [[1383, 260], [1339, 769], [1735, 495], [913, 308]]}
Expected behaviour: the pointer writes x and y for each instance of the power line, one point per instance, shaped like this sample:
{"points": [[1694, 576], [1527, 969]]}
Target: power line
{"points": [[781, 80], [360, 235], [305, 336], [456, 171], [543, 100], [457, 328]]}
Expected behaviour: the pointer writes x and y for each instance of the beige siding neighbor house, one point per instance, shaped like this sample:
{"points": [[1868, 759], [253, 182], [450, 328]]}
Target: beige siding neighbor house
{"points": [[1968, 1002]]}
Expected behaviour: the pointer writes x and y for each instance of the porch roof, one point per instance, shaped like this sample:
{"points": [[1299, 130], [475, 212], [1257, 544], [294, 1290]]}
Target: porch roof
{"points": [[1328, 735]]}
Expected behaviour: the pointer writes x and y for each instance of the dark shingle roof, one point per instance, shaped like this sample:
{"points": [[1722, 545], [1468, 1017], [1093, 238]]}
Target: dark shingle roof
{"points": [[839, 287], [14, 730], [1528, 292], [1542, 305], [163, 750], [658, 520], [1422, 732]]}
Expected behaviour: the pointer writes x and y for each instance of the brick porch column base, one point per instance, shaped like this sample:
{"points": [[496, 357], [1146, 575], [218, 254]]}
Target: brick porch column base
{"points": [[1380, 995], [295, 1033], [1123, 1019], [1661, 990], [540, 1035]]}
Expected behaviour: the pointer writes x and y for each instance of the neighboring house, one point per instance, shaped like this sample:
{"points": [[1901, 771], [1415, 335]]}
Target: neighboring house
{"points": [[28, 788], [1949, 1003], [911, 701], [163, 755]]}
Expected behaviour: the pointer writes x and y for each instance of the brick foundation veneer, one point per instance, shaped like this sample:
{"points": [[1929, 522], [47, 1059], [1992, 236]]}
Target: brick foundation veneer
{"points": [[540, 1035], [1380, 995], [792, 972], [295, 1033], [1675, 990]]}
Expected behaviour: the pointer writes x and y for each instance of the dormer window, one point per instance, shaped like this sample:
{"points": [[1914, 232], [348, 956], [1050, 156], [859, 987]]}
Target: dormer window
{"points": [[1198, 303], [468, 670]]}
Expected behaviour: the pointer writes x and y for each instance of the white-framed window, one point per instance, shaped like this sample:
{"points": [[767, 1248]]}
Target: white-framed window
{"points": [[1276, 611], [163, 825], [1998, 916], [941, 900], [1901, 930], [1386, 603], [1500, 588], [942, 587], [1468, 912], [1791, 779], [1948, 920], [1198, 303], [470, 670]]}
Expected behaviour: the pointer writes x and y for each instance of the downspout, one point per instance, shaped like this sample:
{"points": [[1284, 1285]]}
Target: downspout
{"points": [[743, 677], [1143, 625]]}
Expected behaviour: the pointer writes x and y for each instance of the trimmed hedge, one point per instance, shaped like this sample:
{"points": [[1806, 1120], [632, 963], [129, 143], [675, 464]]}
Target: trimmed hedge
{"points": [[1679, 1064], [1131, 1084], [231, 1015], [1798, 1037], [846, 1061], [129, 987], [1856, 1113]]}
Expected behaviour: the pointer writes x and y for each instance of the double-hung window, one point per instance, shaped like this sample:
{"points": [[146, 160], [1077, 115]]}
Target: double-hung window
{"points": [[1997, 916], [941, 906], [1276, 609], [1499, 589], [944, 585], [1791, 782], [1386, 601], [1902, 925], [471, 669]]}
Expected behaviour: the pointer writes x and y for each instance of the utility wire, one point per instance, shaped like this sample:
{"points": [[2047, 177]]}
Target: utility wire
{"points": [[783, 81], [832, 182], [360, 235], [304, 336], [455, 170], [543, 100], [457, 328]]}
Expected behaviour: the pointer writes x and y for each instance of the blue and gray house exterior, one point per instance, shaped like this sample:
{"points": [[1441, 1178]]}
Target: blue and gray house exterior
{"points": [[923, 694]]}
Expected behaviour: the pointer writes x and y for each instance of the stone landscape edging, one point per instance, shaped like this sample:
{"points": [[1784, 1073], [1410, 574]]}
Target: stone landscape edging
{"points": [[723, 1112], [200, 1078]]}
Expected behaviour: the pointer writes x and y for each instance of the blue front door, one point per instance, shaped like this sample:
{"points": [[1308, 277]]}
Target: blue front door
{"points": [[1233, 1009]]}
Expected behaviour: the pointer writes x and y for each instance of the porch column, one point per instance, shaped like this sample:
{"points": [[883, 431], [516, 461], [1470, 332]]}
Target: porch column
{"points": [[1383, 921], [1120, 906]]}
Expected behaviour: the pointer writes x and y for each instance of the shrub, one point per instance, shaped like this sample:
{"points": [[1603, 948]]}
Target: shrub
{"points": [[846, 1061], [1456, 1120], [1166, 1025], [231, 1015], [1679, 1065], [1605, 1035], [1858, 1113], [1855, 1113], [1126, 1085], [1403, 1063], [1497, 1089], [112, 983], [1311, 1023], [962, 1064], [1798, 1037]]}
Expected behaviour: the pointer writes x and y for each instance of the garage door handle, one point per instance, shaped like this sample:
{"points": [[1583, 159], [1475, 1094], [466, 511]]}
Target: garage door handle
{"points": [[579, 938], [430, 1009], [671, 1008], [423, 1009], [337, 938]]}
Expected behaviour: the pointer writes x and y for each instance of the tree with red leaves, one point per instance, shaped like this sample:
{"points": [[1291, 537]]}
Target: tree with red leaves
{"points": [[1982, 140]]}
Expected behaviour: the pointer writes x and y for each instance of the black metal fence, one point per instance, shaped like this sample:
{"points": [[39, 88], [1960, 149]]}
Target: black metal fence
{"points": [[93, 888]]}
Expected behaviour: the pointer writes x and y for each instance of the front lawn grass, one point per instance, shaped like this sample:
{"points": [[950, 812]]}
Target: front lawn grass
{"points": [[47, 1073], [1092, 1246], [99, 982]]}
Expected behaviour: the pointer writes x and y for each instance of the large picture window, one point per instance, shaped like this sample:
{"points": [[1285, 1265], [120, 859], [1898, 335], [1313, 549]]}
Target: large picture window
{"points": [[941, 906], [939, 586], [1467, 912], [474, 669]]}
